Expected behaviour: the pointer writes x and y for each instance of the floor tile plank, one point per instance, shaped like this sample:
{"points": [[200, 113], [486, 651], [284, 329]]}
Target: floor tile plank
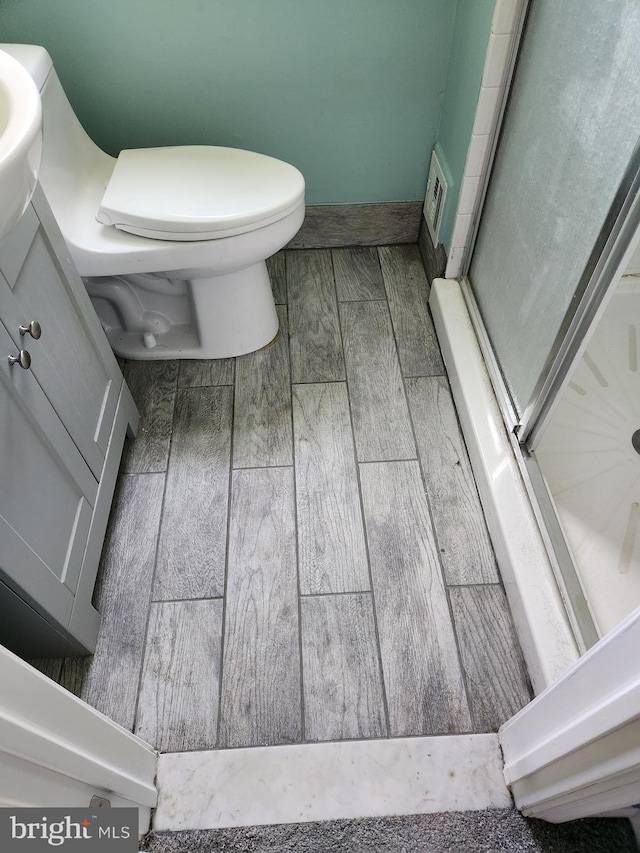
{"points": [[122, 596], [196, 372], [74, 673], [343, 696], [192, 546], [495, 671], [153, 387], [262, 433], [465, 548], [314, 329], [179, 692], [408, 657], [332, 551], [381, 423], [277, 269], [260, 701], [51, 667], [357, 273], [408, 294], [423, 678]]}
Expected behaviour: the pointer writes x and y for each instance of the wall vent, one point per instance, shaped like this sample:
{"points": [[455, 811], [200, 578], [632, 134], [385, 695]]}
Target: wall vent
{"points": [[435, 198]]}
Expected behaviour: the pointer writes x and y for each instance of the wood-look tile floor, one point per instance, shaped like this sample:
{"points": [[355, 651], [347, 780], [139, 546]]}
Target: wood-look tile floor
{"points": [[297, 552]]}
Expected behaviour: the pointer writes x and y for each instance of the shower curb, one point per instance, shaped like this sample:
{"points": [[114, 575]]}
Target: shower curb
{"points": [[541, 621]]}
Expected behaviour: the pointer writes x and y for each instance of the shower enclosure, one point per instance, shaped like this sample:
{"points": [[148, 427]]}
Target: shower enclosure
{"points": [[589, 455], [553, 296]]}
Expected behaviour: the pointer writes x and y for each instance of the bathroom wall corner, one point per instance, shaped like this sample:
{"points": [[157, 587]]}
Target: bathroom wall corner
{"points": [[471, 36]]}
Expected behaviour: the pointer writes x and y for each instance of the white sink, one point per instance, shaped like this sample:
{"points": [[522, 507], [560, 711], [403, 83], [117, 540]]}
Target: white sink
{"points": [[20, 140]]}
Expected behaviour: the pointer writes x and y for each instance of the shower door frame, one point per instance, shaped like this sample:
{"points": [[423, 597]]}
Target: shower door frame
{"points": [[604, 267], [602, 271]]}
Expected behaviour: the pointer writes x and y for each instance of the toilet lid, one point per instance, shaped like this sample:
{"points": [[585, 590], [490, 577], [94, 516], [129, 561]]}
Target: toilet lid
{"points": [[198, 192]]}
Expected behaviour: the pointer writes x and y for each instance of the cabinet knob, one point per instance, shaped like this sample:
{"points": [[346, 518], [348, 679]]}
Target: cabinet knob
{"points": [[23, 359], [34, 329]]}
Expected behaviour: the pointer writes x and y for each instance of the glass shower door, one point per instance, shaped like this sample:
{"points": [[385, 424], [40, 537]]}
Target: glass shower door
{"points": [[571, 126]]}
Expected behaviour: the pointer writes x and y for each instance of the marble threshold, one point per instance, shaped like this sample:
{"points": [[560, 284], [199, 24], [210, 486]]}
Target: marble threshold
{"points": [[329, 781]]}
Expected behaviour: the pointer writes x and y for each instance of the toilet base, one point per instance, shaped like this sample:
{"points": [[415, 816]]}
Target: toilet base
{"points": [[234, 314]]}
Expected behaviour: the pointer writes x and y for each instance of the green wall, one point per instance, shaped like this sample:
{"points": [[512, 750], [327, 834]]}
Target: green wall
{"points": [[466, 64], [349, 91]]}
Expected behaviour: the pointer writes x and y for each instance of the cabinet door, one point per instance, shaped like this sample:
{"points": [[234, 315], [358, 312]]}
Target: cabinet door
{"points": [[71, 362], [47, 492]]}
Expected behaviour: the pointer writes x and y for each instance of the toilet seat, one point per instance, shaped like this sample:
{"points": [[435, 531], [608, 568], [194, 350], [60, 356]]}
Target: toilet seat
{"points": [[198, 192]]}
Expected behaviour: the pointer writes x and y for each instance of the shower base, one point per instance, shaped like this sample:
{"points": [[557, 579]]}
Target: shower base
{"points": [[590, 457]]}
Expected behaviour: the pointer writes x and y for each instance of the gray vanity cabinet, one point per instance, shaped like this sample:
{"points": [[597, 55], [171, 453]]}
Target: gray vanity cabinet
{"points": [[47, 494], [63, 421], [81, 379]]}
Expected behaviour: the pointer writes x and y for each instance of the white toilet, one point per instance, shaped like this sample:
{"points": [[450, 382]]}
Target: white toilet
{"points": [[171, 242]]}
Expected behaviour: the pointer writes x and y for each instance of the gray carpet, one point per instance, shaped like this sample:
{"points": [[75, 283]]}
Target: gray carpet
{"points": [[459, 832]]}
